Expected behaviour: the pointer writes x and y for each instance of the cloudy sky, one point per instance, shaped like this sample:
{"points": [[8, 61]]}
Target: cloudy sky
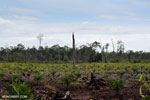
{"points": [[92, 20]]}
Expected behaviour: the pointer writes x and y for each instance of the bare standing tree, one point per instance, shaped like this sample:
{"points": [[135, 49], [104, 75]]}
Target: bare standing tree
{"points": [[113, 45], [40, 38], [73, 39], [102, 50]]}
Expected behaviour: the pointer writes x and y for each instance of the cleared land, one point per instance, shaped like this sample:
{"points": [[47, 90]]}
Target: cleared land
{"points": [[101, 81]]}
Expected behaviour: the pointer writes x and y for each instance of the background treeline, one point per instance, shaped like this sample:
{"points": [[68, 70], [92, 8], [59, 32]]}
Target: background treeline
{"points": [[94, 52]]}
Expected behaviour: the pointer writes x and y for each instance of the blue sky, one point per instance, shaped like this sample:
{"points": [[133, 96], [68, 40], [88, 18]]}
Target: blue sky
{"points": [[128, 20]]}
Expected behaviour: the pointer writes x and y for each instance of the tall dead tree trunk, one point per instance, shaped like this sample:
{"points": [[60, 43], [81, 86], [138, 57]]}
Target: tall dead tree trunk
{"points": [[73, 39], [102, 51], [113, 45]]}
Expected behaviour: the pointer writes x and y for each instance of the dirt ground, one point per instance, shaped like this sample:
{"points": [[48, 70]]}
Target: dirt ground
{"points": [[83, 91]]}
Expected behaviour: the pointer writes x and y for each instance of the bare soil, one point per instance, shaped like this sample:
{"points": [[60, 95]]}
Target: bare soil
{"points": [[82, 91]]}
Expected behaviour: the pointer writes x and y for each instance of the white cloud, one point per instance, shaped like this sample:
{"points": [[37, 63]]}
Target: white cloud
{"points": [[23, 10], [118, 17], [12, 33], [5, 21], [85, 22], [80, 28], [123, 15], [23, 19]]}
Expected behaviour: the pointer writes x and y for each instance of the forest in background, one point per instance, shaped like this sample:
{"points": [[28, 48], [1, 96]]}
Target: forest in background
{"points": [[93, 52]]}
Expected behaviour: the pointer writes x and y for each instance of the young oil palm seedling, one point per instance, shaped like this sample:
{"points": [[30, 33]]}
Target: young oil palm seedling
{"points": [[1, 78], [104, 75], [20, 91], [15, 76], [53, 71], [67, 79], [76, 74], [122, 72], [135, 69], [38, 77], [2, 74], [117, 85]]}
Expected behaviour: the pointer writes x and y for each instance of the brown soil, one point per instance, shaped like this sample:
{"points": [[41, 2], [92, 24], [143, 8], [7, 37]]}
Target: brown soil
{"points": [[85, 92], [82, 91]]}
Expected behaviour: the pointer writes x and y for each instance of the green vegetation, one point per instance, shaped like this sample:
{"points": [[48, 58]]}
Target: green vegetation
{"points": [[67, 79], [117, 84], [2, 74], [15, 76], [92, 52], [19, 89], [38, 77], [145, 84], [115, 74], [77, 74]]}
